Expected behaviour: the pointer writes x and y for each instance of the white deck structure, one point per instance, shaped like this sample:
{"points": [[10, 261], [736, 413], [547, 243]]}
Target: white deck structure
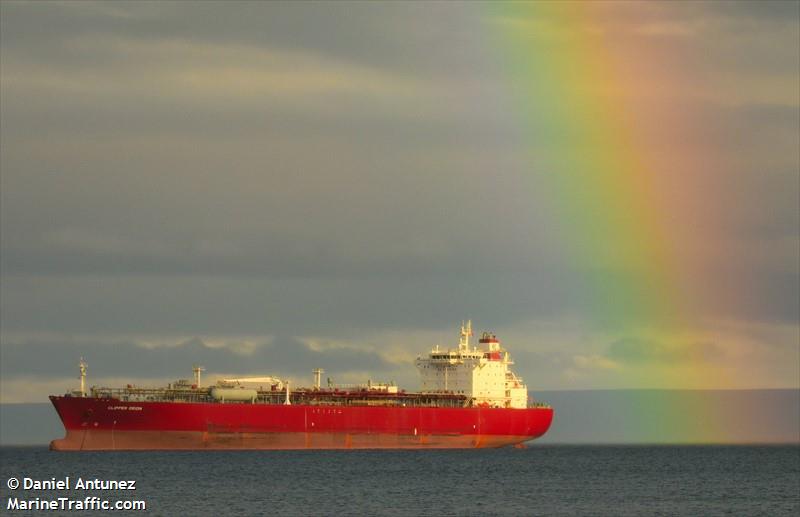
{"points": [[481, 372]]}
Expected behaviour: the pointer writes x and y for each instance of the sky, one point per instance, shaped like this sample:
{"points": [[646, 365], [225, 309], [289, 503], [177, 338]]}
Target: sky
{"points": [[266, 188]]}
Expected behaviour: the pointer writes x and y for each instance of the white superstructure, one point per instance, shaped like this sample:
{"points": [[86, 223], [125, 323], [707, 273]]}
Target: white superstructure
{"points": [[481, 373]]}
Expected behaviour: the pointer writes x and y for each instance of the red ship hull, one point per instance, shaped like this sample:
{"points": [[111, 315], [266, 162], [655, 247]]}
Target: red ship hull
{"points": [[110, 424]]}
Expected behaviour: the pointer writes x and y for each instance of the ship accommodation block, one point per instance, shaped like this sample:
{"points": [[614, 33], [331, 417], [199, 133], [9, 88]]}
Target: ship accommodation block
{"points": [[480, 373]]}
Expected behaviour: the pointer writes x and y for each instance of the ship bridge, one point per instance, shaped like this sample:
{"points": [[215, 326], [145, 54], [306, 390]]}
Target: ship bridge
{"points": [[480, 373]]}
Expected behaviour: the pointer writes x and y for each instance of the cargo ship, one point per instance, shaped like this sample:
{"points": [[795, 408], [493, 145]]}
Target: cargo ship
{"points": [[469, 398]]}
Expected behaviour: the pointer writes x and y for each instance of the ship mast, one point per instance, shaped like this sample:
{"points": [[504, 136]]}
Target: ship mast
{"points": [[197, 369], [318, 377], [83, 366], [466, 332]]}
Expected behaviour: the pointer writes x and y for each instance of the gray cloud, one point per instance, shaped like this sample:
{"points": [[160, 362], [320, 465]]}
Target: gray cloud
{"points": [[335, 168], [633, 350], [404, 36]]}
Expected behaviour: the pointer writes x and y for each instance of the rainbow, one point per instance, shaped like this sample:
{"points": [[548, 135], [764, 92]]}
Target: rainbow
{"points": [[580, 96], [585, 154]]}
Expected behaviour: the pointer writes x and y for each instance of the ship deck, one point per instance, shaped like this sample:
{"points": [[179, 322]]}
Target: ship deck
{"points": [[308, 397]]}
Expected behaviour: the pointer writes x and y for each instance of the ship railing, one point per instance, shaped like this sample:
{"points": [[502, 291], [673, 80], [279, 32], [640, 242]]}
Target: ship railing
{"points": [[305, 397], [362, 398], [136, 394]]}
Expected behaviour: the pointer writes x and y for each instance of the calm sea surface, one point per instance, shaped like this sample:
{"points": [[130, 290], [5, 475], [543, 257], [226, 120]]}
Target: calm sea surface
{"points": [[540, 480]]}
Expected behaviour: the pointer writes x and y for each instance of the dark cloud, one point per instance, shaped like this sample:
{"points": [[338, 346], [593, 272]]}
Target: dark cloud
{"points": [[281, 357], [343, 306], [782, 11]]}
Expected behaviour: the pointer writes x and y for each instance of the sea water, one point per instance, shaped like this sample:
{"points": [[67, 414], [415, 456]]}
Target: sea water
{"points": [[539, 480]]}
